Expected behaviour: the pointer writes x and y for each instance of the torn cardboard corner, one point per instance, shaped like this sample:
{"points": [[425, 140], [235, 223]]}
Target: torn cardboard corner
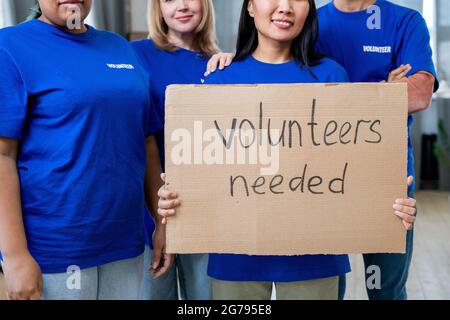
{"points": [[287, 169]]}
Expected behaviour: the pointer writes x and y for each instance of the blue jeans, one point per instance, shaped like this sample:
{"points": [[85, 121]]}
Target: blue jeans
{"points": [[113, 281], [192, 275], [394, 273]]}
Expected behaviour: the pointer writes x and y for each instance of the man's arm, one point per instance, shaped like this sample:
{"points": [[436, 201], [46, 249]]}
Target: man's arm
{"points": [[420, 87], [420, 91]]}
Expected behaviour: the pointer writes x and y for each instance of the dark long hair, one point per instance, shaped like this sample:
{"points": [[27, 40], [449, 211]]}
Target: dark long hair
{"points": [[303, 47], [35, 12]]}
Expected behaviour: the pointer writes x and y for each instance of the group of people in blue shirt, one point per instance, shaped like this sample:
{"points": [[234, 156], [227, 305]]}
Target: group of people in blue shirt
{"points": [[82, 203]]}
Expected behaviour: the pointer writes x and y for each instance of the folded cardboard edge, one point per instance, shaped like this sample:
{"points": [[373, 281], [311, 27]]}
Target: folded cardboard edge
{"points": [[329, 84]]}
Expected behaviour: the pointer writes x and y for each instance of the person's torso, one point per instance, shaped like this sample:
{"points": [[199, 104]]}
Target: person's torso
{"points": [[371, 43], [252, 71], [82, 157], [167, 68], [365, 43], [277, 268]]}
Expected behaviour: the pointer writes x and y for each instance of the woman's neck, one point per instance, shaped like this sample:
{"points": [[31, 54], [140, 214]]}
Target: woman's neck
{"points": [[353, 5], [182, 40], [83, 28], [271, 51]]}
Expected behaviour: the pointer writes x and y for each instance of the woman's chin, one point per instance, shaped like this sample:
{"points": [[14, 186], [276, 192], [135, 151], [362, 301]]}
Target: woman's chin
{"points": [[282, 38]]}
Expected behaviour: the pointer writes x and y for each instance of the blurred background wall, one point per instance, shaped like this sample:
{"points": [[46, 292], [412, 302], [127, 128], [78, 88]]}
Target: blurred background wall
{"points": [[128, 18]]}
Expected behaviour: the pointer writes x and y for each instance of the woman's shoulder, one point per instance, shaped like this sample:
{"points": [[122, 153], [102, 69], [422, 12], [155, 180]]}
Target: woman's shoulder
{"points": [[147, 48], [398, 9], [329, 70], [8, 31], [226, 75], [143, 44], [9, 34], [329, 64]]}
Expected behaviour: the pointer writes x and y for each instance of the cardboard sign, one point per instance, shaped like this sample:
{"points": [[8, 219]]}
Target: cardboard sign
{"points": [[287, 169]]}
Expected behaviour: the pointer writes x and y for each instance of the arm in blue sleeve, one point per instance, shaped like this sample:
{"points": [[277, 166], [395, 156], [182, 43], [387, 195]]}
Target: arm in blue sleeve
{"points": [[413, 46]]}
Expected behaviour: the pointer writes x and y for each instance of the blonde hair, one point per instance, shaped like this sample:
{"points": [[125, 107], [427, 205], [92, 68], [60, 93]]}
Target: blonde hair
{"points": [[205, 40]]}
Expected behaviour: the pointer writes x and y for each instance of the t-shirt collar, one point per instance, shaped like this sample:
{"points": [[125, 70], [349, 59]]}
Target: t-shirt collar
{"points": [[90, 33]]}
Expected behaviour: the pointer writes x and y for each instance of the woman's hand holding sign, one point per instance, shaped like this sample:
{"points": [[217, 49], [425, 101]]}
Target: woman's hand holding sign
{"points": [[168, 201], [406, 209]]}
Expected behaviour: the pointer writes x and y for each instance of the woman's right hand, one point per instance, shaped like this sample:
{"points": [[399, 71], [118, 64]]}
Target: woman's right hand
{"points": [[168, 201], [23, 278], [219, 60]]}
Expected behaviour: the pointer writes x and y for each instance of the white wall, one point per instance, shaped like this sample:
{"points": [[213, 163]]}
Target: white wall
{"points": [[227, 15], [139, 15]]}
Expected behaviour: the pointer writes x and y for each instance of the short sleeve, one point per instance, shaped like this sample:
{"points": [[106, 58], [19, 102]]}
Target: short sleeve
{"points": [[13, 99], [413, 47], [340, 76], [335, 72]]}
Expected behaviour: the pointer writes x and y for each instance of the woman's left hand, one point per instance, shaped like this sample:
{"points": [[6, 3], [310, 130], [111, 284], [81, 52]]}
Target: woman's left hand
{"points": [[406, 209], [220, 60]]}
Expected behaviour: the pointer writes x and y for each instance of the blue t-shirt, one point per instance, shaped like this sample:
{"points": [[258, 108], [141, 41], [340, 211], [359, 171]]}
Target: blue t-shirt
{"points": [[368, 54], [80, 107], [167, 68], [275, 268]]}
